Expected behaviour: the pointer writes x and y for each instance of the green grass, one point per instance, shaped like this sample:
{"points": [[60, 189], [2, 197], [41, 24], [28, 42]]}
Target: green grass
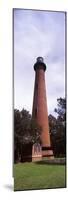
{"points": [[38, 176]]}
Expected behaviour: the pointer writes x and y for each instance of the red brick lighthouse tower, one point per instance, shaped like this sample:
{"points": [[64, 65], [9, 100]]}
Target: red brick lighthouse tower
{"points": [[39, 112]]}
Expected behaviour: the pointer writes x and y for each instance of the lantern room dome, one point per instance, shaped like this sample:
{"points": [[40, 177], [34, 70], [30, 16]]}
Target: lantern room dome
{"points": [[39, 64]]}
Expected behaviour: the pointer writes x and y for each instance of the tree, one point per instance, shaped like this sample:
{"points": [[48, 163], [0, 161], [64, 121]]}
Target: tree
{"points": [[58, 128], [17, 132], [61, 125], [61, 110], [52, 124], [53, 132], [26, 131]]}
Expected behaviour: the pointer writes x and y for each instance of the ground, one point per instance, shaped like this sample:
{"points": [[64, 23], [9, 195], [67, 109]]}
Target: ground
{"points": [[38, 176]]}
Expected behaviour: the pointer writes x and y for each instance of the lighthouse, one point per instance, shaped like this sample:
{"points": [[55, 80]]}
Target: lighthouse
{"points": [[39, 110]]}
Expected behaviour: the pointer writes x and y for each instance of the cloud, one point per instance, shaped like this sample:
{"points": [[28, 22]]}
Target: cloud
{"points": [[38, 33]]}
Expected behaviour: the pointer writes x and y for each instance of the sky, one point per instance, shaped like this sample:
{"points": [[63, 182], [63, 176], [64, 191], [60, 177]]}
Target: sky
{"points": [[38, 33]]}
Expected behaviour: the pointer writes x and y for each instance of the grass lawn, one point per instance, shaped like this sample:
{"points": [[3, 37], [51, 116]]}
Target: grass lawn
{"points": [[38, 176]]}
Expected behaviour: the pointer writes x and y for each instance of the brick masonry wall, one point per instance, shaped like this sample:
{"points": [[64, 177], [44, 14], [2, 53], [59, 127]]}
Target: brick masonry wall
{"points": [[40, 105]]}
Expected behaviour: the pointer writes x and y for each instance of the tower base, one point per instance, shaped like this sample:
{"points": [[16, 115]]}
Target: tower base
{"points": [[38, 153], [47, 152]]}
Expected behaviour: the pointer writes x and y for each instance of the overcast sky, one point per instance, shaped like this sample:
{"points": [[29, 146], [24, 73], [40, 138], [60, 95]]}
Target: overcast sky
{"points": [[38, 33]]}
